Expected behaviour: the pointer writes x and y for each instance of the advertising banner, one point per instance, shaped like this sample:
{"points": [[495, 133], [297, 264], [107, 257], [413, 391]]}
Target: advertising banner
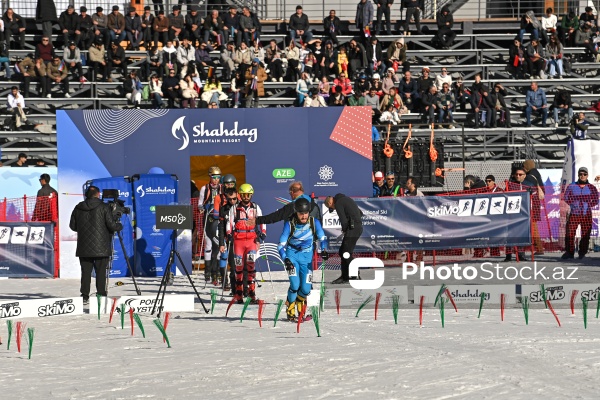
{"points": [[561, 294], [40, 308], [438, 222], [123, 185], [353, 298], [144, 304], [26, 249], [153, 246], [468, 293]]}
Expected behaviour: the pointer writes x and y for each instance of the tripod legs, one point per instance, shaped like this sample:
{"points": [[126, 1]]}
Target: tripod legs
{"points": [[137, 289]]}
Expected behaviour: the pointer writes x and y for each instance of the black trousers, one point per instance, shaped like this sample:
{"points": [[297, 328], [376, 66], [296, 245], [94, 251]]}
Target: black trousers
{"points": [[98, 264], [348, 245], [383, 11], [416, 14]]}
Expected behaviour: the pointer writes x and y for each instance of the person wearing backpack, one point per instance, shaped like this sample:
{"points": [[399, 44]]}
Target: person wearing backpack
{"points": [[296, 247]]}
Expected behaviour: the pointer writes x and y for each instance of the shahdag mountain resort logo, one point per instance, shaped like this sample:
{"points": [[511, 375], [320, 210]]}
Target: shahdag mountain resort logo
{"points": [[201, 134]]}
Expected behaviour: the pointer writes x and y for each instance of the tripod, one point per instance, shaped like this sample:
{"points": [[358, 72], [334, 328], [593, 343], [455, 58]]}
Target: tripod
{"points": [[137, 289], [167, 276]]}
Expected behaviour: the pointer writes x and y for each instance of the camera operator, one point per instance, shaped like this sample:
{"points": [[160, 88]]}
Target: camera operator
{"points": [[95, 224]]}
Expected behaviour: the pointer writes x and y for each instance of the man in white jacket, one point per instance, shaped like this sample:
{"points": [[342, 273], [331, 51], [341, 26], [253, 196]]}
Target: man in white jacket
{"points": [[16, 104], [72, 58], [314, 99], [186, 57]]}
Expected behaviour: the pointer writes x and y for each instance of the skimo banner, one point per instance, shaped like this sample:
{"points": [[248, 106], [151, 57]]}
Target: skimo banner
{"points": [[41, 308], [438, 222], [26, 249]]}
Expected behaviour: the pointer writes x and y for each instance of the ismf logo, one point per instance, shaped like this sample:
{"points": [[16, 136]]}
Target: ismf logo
{"points": [[179, 127], [326, 173], [513, 204], [464, 207], [481, 206], [497, 205]]}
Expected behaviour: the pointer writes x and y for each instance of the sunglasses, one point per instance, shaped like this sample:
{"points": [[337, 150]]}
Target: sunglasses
{"points": [[231, 198], [215, 177], [390, 179], [489, 180], [294, 190], [520, 174], [583, 173]]}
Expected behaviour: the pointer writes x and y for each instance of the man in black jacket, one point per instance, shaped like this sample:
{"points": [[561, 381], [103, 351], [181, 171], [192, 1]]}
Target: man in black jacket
{"points": [[43, 205], [445, 36], [383, 9], [69, 26], [332, 27], [498, 104], [350, 218], [413, 10], [296, 190], [299, 27], [95, 224]]}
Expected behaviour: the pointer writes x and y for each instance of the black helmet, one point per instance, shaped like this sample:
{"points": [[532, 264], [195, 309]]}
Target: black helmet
{"points": [[301, 205], [229, 179]]}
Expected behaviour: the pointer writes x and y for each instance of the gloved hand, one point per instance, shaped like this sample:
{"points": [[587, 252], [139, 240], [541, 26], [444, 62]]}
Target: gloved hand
{"points": [[229, 238], [208, 207], [119, 227], [324, 255], [289, 266], [262, 236]]}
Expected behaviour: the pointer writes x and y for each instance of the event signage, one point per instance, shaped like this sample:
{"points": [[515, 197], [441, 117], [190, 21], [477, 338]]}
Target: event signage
{"points": [[561, 293], [144, 304], [350, 297], [41, 308], [26, 249], [468, 293], [438, 222]]}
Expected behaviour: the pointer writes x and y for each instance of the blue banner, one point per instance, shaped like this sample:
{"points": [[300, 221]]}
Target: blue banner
{"points": [[153, 246], [123, 185], [438, 222], [27, 249]]}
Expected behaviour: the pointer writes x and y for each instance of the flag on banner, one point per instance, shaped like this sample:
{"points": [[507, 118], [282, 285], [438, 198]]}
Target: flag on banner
{"points": [[62, 66], [17, 69]]}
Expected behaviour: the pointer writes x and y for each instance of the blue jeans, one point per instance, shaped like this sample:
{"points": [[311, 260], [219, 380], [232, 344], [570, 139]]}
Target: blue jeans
{"points": [[157, 100], [301, 278], [556, 64], [542, 111], [442, 114], [115, 38], [307, 37], [7, 68], [534, 33], [557, 111]]}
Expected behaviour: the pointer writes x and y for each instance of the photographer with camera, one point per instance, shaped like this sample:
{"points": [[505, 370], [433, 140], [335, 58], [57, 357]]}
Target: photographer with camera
{"points": [[95, 224]]}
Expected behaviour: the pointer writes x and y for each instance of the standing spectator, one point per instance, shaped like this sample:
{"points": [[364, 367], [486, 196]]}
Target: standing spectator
{"points": [[531, 25], [409, 90], [14, 27], [16, 104], [231, 26], [203, 60], [332, 27], [147, 20], [176, 24], [34, 69], [413, 10], [568, 28], [579, 126], [429, 104], [156, 93], [170, 88], [549, 22], [93, 220], [562, 103], [133, 29], [186, 57], [554, 52], [237, 89], [442, 78], [383, 10], [86, 27], [516, 59], [69, 26], [396, 56], [364, 17], [536, 101], [100, 21], [314, 99], [350, 217], [97, 62], [255, 78], [133, 89], [411, 189], [193, 26], [116, 59], [535, 178], [45, 13], [581, 196], [534, 56], [57, 73], [375, 56], [72, 58], [247, 26], [498, 104], [490, 182], [116, 26], [445, 21], [158, 6], [43, 207], [213, 27], [446, 104], [391, 188], [378, 183], [45, 50], [299, 26], [160, 26]]}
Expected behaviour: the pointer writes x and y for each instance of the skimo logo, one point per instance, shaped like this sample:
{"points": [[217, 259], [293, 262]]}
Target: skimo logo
{"points": [[141, 191], [220, 135], [10, 310], [481, 206], [60, 307]]}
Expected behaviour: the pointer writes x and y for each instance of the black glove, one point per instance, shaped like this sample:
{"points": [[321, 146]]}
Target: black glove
{"points": [[262, 236], [229, 238], [324, 255], [119, 227], [289, 266]]}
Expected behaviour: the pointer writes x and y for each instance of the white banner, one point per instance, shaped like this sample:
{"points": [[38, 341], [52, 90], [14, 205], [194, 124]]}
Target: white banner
{"points": [[40, 308], [468, 293], [350, 297], [144, 304], [561, 294]]}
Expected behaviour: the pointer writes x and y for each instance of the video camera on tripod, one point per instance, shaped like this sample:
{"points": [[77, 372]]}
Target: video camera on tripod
{"points": [[117, 205]]}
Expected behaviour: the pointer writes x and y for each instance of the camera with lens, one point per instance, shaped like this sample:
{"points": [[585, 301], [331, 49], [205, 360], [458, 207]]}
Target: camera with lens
{"points": [[117, 206]]}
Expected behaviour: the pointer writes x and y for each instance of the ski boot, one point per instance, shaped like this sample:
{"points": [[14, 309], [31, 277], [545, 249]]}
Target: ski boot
{"points": [[291, 311], [215, 280], [300, 306]]}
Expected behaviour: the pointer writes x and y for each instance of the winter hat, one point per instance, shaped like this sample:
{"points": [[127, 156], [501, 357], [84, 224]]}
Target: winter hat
{"points": [[256, 60], [378, 176], [147, 8], [83, 9], [115, 8], [490, 177], [376, 76], [131, 9], [99, 9]]}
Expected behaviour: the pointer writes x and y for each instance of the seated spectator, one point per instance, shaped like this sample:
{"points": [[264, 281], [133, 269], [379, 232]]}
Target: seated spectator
{"points": [[133, 89], [176, 24], [133, 29], [536, 101], [332, 27], [21, 161], [357, 56], [69, 26], [357, 99], [549, 22], [342, 60], [156, 93], [345, 83], [314, 99], [516, 59], [377, 183], [255, 78], [393, 99], [96, 62], [257, 51], [377, 84], [429, 104], [186, 57], [169, 56], [116, 26], [117, 60], [446, 104], [583, 38], [425, 81], [299, 27], [329, 62], [391, 188], [238, 85], [389, 116], [243, 58], [189, 91], [248, 26], [204, 61], [534, 56], [409, 90], [5, 58], [562, 103], [498, 104], [160, 27], [579, 126], [273, 62], [445, 21], [372, 100], [292, 55], [16, 104], [531, 25], [588, 16], [57, 73], [86, 27], [442, 78], [193, 26], [396, 56], [462, 95], [227, 56], [170, 88], [411, 190], [147, 19], [554, 52], [231, 26], [375, 57], [389, 80], [303, 86], [324, 88], [362, 85], [480, 104], [45, 50], [14, 27], [100, 21], [213, 28], [72, 57], [337, 99], [154, 62], [568, 29]]}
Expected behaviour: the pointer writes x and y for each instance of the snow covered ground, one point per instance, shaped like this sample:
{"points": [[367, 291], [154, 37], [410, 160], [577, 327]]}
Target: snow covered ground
{"points": [[217, 357]]}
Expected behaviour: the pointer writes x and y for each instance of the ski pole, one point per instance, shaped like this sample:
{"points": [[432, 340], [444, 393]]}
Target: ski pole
{"points": [[262, 243], [225, 274]]}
